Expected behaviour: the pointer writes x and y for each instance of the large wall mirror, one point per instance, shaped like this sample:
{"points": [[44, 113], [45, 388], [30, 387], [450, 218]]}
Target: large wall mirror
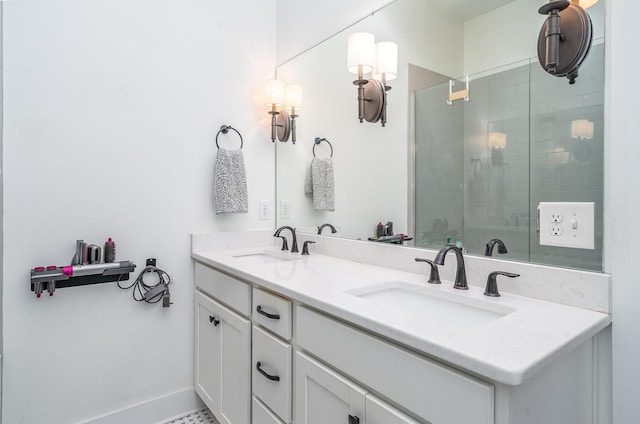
{"points": [[469, 171]]}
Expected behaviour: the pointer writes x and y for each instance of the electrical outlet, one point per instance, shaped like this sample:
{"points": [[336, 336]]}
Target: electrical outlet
{"points": [[556, 230], [556, 217], [567, 224], [285, 209], [264, 213]]}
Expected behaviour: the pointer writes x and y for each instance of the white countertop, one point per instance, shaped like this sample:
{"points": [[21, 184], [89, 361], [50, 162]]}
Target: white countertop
{"points": [[507, 350]]}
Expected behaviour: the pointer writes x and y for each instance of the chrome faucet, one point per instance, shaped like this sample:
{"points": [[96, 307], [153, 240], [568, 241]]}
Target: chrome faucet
{"points": [[333, 229], [461, 275], [502, 249], [294, 241]]}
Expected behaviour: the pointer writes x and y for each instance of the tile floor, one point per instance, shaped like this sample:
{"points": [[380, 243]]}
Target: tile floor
{"points": [[201, 417]]}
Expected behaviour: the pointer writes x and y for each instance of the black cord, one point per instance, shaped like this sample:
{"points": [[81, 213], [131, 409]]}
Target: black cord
{"points": [[140, 288]]}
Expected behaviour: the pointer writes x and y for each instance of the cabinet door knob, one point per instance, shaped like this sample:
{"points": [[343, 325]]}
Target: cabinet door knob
{"points": [[264, 373], [213, 320], [267, 314], [354, 420]]}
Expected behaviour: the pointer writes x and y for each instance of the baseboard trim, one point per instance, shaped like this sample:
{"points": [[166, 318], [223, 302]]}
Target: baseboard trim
{"points": [[158, 410]]}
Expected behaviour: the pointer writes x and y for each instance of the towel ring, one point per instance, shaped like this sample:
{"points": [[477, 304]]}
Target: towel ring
{"points": [[318, 141], [224, 130]]}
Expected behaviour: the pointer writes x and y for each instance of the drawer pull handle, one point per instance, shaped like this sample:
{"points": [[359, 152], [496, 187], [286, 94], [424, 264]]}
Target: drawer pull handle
{"points": [[213, 320], [267, 314], [354, 420], [269, 376]]}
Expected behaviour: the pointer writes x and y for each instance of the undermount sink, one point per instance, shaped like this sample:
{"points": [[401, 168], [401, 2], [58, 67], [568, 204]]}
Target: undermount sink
{"points": [[265, 257], [455, 311]]}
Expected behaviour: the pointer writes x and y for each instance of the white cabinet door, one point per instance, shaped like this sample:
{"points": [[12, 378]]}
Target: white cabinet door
{"points": [[222, 361], [380, 412], [325, 397]]}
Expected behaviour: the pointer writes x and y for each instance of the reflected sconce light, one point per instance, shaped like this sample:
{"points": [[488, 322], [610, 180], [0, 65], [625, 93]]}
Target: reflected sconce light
{"points": [[381, 60], [582, 129], [497, 141], [565, 38], [585, 4], [285, 101]]}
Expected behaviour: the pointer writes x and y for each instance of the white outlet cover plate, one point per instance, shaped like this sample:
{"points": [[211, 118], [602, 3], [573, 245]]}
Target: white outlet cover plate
{"points": [[567, 224], [285, 209], [264, 211]]}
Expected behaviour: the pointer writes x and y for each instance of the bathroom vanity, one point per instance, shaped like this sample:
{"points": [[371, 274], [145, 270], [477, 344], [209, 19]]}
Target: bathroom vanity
{"points": [[286, 338]]}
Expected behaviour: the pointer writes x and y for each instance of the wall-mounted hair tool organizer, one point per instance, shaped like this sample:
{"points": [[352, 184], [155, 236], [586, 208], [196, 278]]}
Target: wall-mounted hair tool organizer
{"points": [[79, 273]]}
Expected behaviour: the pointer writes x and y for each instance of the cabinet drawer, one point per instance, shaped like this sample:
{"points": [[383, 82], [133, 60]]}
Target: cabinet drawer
{"points": [[226, 289], [262, 415], [379, 412], [433, 391], [272, 312], [272, 371]]}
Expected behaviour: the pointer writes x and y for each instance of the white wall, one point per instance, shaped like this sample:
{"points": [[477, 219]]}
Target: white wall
{"points": [[302, 24], [111, 111], [622, 205]]}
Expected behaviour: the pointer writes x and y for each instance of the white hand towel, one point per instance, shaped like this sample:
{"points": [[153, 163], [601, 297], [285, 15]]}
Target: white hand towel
{"points": [[319, 184], [230, 182], [308, 183]]}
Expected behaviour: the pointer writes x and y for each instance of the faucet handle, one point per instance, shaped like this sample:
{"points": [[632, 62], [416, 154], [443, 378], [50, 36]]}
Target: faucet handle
{"points": [[285, 244], [492, 284], [305, 247], [434, 275]]}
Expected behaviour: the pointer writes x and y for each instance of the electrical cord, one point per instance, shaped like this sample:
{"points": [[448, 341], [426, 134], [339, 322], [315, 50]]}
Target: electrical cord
{"points": [[150, 293]]}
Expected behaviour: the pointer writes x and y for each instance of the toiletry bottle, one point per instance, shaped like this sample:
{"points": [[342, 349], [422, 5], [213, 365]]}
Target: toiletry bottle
{"points": [[109, 251], [389, 228], [380, 230]]}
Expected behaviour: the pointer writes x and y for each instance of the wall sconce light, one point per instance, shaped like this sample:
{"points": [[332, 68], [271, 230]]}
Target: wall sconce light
{"points": [[497, 141], [289, 98], [585, 4], [381, 60], [582, 129], [563, 48]]}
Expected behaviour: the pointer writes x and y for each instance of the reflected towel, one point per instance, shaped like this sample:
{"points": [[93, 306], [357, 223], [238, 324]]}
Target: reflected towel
{"points": [[230, 182], [319, 184]]}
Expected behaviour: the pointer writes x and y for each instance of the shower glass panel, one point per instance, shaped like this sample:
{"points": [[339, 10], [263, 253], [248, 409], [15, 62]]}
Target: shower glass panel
{"points": [[482, 167], [439, 173]]}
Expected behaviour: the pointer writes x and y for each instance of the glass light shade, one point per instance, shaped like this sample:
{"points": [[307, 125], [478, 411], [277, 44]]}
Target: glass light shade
{"points": [[274, 92], [293, 96], [582, 129], [497, 140], [361, 51], [386, 61], [585, 4]]}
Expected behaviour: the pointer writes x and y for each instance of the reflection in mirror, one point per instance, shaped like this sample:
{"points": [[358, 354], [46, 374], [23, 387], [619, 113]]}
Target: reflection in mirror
{"points": [[469, 171]]}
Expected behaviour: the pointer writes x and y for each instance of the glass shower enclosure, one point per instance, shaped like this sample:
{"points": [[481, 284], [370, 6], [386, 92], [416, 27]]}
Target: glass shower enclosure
{"points": [[482, 167]]}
